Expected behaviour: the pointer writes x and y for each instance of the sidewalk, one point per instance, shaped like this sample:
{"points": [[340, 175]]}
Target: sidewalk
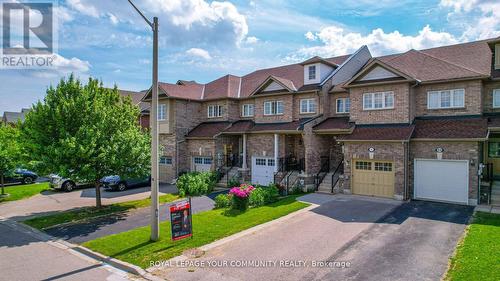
{"points": [[27, 255]]}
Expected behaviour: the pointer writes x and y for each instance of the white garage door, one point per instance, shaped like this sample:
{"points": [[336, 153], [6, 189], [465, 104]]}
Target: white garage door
{"points": [[442, 180], [202, 164], [262, 170]]}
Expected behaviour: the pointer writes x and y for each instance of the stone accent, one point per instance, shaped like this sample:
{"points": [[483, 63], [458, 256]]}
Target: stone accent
{"points": [[399, 114], [452, 150], [473, 98], [488, 96], [383, 151]]}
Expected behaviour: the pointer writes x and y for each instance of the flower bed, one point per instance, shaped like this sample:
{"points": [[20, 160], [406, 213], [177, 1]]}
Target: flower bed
{"points": [[245, 195]]}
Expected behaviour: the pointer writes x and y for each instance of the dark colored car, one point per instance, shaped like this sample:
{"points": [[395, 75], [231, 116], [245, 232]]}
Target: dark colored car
{"points": [[59, 183], [20, 176], [119, 184]]}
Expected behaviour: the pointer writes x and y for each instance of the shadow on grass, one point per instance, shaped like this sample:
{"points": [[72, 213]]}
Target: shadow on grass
{"points": [[128, 250], [483, 218]]}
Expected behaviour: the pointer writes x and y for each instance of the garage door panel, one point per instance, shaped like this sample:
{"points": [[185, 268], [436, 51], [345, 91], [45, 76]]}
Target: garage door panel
{"points": [[373, 178], [262, 170], [442, 180]]}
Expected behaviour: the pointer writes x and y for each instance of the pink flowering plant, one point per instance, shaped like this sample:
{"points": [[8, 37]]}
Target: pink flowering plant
{"points": [[240, 195]]}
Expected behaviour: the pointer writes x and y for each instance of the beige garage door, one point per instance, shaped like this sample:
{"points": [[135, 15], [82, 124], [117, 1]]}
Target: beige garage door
{"points": [[373, 178]]}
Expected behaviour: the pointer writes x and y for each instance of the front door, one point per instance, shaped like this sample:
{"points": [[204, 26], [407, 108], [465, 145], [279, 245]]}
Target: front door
{"points": [[263, 170]]}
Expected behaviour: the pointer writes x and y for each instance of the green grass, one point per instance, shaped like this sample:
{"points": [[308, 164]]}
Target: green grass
{"points": [[86, 213], [18, 192], [135, 247], [478, 255]]}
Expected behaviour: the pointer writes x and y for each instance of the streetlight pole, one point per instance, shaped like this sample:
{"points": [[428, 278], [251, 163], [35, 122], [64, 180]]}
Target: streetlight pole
{"points": [[155, 216]]}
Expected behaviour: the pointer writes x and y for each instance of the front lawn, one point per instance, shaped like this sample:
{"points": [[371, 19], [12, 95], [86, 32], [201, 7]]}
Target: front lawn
{"points": [[478, 255], [92, 212], [135, 247], [18, 192]]}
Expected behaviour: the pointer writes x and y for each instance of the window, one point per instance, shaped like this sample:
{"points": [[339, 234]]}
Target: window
{"points": [[385, 167], [260, 162], [198, 160], [247, 110], [162, 112], [380, 100], [207, 161], [494, 149], [165, 160], [496, 98], [445, 99], [214, 111], [312, 72], [273, 107], [363, 165], [308, 106], [343, 105], [270, 162]]}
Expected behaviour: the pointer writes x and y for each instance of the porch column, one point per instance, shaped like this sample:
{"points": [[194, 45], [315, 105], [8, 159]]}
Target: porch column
{"points": [[244, 166], [276, 151]]}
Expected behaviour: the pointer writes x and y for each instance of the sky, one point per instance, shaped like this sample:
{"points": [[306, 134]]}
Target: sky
{"points": [[203, 40]]}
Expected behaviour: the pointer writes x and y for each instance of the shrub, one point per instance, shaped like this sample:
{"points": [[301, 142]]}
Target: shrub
{"points": [[222, 201], [257, 197], [272, 193], [196, 184], [240, 196], [233, 182]]}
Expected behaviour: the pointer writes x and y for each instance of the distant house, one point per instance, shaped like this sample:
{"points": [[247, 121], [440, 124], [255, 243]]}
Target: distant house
{"points": [[12, 118], [136, 98]]}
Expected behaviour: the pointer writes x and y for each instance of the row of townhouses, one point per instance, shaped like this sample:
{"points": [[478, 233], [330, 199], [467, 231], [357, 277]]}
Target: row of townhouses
{"points": [[415, 125]]}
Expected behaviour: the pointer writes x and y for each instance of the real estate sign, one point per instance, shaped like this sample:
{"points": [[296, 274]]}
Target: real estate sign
{"points": [[181, 220]]}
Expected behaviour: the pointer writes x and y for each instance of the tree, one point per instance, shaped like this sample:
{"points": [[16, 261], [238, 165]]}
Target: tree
{"points": [[10, 151], [87, 132]]}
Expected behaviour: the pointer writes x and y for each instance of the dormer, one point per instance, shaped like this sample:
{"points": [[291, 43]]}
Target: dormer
{"points": [[316, 70]]}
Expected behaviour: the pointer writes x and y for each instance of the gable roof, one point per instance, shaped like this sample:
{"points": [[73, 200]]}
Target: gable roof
{"points": [[285, 83], [317, 59], [11, 117]]}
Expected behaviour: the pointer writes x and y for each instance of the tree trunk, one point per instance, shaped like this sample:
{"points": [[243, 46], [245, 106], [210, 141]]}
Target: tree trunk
{"points": [[2, 182], [98, 195]]}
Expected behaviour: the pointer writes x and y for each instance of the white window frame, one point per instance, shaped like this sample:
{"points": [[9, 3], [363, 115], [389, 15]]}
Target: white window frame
{"points": [[247, 110], [496, 99], [383, 99], [166, 160], [162, 112], [344, 102], [310, 106], [276, 107], [314, 72], [214, 111], [453, 93]]}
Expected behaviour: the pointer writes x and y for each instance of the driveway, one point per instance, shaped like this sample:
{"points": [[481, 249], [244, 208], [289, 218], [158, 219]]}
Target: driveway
{"points": [[53, 201], [376, 239]]}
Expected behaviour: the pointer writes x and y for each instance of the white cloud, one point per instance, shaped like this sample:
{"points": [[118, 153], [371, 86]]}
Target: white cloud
{"points": [[84, 8], [62, 67], [197, 52], [310, 36], [113, 19], [252, 40], [337, 41], [479, 18]]}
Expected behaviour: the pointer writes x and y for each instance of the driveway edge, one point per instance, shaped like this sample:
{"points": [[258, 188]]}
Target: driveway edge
{"points": [[240, 234]]}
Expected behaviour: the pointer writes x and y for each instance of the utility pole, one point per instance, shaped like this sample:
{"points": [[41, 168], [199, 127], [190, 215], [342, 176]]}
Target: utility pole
{"points": [[155, 216]]}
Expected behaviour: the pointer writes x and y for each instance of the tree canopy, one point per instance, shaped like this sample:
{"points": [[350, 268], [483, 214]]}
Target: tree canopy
{"points": [[86, 132], [10, 150]]}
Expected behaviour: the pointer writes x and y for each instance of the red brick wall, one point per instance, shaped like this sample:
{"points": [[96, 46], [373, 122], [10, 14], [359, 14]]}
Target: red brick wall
{"points": [[488, 96]]}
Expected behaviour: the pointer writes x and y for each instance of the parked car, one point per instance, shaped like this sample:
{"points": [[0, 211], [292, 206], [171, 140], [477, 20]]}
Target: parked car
{"points": [[120, 184], [66, 184], [20, 176]]}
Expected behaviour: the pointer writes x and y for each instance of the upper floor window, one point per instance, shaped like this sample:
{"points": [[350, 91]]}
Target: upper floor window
{"points": [[273, 107], [380, 100], [446, 99], [496, 98], [165, 160], [343, 105], [312, 72], [247, 110], [308, 106], [214, 111], [162, 112]]}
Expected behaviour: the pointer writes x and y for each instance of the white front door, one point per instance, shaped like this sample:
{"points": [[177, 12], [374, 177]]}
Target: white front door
{"points": [[263, 170], [202, 164], [442, 180]]}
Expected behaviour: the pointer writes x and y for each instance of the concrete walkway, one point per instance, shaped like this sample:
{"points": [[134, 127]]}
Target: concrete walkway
{"points": [[53, 201], [27, 255], [86, 231]]}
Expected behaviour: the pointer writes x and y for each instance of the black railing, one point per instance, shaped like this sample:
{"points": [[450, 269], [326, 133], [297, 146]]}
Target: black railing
{"points": [[323, 171], [337, 172], [291, 163]]}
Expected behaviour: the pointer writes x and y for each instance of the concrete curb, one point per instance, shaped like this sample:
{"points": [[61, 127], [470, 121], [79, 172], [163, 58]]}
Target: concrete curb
{"points": [[97, 257], [238, 235]]}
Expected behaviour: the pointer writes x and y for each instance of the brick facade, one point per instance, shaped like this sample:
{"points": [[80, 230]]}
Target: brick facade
{"points": [[488, 97], [287, 115]]}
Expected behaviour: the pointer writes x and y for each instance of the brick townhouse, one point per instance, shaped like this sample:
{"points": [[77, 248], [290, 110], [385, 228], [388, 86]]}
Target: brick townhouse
{"points": [[416, 125]]}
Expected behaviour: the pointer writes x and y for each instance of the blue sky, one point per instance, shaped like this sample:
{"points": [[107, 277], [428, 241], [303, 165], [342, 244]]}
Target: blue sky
{"points": [[203, 40]]}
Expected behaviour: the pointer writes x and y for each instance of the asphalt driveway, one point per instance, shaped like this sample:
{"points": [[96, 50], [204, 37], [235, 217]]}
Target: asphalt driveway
{"points": [[371, 239]]}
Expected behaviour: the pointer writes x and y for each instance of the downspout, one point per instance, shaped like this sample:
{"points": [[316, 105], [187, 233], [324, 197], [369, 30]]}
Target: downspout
{"points": [[406, 147]]}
